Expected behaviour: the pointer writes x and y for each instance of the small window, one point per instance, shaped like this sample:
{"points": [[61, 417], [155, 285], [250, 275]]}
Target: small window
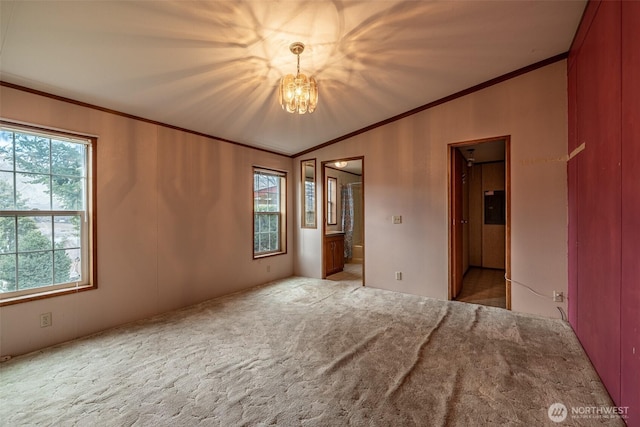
{"points": [[332, 208], [269, 205], [46, 211]]}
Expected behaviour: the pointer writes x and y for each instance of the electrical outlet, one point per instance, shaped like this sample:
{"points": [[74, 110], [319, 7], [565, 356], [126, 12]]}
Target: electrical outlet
{"points": [[268, 269], [558, 296], [45, 320], [396, 219], [398, 275]]}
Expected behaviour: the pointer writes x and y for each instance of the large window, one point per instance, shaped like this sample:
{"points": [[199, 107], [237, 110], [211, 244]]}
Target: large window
{"points": [[269, 205], [46, 226]]}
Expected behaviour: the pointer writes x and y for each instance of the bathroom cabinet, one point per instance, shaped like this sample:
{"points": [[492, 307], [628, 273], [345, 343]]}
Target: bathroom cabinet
{"points": [[334, 253]]}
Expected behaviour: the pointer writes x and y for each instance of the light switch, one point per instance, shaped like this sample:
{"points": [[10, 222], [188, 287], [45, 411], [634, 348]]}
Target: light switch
{"points": [[396, 219]]}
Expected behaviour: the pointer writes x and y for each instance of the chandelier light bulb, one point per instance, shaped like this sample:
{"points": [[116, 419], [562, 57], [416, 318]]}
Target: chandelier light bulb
{"points": [[298, 93]]}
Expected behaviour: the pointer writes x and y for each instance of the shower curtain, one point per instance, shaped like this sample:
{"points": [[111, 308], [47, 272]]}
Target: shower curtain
{"points": [[347, 219]]}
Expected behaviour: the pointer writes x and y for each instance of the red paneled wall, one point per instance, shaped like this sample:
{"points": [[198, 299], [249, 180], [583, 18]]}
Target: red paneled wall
{"points": [[604, 195], [630, 285], [597, 190]]}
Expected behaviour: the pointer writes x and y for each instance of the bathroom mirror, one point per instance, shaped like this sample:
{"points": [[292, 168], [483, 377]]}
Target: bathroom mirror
{"points": [[308, 174]]}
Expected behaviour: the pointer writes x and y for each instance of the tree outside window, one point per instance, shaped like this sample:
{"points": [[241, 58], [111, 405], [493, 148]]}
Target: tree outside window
{"points": [[268, 212], [44, 221]]}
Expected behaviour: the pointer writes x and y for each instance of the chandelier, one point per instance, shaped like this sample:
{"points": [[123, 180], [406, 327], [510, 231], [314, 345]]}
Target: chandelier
{"points": [[299, 93]]}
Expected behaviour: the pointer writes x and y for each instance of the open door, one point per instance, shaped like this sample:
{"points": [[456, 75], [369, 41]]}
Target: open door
{"points": [[457, 221], [480, 221], [343, 219]]}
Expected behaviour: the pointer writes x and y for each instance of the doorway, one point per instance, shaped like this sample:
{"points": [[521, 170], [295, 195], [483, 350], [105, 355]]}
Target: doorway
{"points": [[343, 220], [479, 221]]}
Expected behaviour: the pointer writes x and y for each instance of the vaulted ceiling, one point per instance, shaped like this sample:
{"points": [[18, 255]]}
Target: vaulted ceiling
{"points": [[214, 66]]}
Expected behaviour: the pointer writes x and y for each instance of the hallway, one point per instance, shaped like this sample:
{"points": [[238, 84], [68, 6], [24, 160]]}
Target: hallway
{"points": [[485, 286]]}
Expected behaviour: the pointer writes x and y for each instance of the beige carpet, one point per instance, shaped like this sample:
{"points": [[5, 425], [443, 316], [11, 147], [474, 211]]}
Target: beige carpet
{"points": [[311, 353]]}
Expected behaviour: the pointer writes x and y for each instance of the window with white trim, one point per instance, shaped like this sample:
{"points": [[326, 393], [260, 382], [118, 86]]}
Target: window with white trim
{"points": [[46, 224], [269, 209]]}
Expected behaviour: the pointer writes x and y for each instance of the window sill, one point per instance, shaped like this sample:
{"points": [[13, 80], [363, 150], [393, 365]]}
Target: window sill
{"points": [[46, 294], [270, 254]]}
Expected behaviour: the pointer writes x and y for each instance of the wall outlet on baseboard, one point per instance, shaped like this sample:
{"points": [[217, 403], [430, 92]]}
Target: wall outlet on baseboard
{"points": [[46, 320], [558, 296]]}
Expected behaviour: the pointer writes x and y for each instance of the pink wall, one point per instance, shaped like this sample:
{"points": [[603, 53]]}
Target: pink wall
{"points": [[174, 223], [405, 164], [604, 205]]}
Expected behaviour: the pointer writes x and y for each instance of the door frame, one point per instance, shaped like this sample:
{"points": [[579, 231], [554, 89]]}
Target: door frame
{"points": [[450, 193], [324, 212]]}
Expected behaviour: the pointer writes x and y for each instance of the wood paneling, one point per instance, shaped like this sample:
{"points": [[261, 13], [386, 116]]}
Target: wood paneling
{"points": [[457, 169], [334, 253], [630, 278], [493, 236], [475, 216], [486, 241], [604, 196], [598, 190], [465, 216], [493, 246], [572, 176]]}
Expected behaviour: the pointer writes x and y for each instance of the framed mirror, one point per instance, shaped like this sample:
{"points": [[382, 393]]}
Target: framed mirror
{"points": [[308, 175]]}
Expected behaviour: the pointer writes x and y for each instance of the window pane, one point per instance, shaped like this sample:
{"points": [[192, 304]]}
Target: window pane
{"points": [[7, 234], [34, 233], [264, 243], [34, 191], [273, 241], [66, 231], [6, 150], [32, 153], [7, 273], [40, 173], [266, 193], [6, 191], [267, 211], [35, 269], [273, 223], [67, 158], [263, 223], [271, 203], [68, 193], [62, 266]]}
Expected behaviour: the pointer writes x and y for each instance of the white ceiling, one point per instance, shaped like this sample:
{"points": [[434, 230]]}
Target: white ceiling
{"points": [[214, 66]]}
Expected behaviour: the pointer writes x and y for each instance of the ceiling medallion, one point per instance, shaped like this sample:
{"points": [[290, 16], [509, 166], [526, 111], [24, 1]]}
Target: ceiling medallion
{"points": [[299, 93]]}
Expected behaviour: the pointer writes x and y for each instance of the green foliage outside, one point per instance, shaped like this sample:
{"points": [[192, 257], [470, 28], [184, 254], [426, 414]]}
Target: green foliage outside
{"points": [[44, 161], [266, 190]]}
